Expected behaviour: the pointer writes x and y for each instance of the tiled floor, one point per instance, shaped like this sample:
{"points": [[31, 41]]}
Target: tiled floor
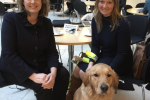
{"points": [[13, 94]]}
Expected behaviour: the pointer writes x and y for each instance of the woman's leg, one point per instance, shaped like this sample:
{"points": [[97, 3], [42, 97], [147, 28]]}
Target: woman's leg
{"points": [[40, 93], [75, 83], [58, 92], [81, 74], [76, 72], [61, 84]]}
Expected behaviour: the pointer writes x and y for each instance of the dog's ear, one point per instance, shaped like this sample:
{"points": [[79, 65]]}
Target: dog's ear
{"points": [[86, 79], [115, 80]]}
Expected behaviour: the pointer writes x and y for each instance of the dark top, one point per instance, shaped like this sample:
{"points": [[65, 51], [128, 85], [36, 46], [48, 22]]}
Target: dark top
{"points": [[112, 47], [27, 48]]}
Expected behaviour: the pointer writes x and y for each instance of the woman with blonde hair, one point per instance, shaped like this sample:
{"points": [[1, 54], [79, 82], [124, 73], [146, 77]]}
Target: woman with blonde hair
{"points": [[29, 56], [110, 42]]}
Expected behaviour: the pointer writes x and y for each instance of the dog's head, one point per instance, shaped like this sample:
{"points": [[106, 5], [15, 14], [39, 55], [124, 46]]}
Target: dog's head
{"points": [[101, 79]]}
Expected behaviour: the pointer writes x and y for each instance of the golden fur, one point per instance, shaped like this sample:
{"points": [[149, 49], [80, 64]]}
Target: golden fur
{"points": [[93, 79]]}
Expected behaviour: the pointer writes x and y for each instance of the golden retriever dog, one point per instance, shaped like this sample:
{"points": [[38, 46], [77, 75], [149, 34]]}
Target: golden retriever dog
{"points": [[99, 83]]}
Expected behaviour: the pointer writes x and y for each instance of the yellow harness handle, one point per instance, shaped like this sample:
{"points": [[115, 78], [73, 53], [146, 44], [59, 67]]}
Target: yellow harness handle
{"points": [[91, 55]]}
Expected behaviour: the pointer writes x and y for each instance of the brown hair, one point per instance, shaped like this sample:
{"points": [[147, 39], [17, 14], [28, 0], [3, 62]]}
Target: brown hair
{"points": [[115, 15], [44, 9]]}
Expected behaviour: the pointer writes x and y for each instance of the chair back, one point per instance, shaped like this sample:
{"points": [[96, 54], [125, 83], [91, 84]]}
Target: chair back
{"points": [[80, 7], [138, 25], [124, 10], [148, 28], [140, 5], [2, 9], [146, 71]]}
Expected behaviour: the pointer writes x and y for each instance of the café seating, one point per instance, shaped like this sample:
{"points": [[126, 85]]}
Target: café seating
{"points": [[2, 10], [148, 28], [124, 10], [140, 5], [79, 8], [142, 81], [138, 25]]}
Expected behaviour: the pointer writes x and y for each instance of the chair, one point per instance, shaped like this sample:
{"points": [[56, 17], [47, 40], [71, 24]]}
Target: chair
{"points": [[140, 5], [148, 28], [79, 8], [124, 10], [2, 10], [60, 23], [139, 82], [138, 25]]}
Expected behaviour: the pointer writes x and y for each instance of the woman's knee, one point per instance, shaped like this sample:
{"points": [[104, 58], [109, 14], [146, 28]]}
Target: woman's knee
{"points": [[63, 72], [41, 93], [77, 69], [81, 74]]}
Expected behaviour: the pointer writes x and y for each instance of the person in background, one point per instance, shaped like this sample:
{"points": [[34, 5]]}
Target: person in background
{"points": [[110, 43], [146, 8], [122, 3], [29, 56]]}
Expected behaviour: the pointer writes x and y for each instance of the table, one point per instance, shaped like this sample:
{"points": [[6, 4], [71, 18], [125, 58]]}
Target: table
{"points": [[77, 38], [134, 11], [90, 3], [9, 3]]}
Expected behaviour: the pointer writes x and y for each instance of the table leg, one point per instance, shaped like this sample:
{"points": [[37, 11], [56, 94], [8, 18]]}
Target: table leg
{"points": [[11, 5], [63, 8], [71, 52]]}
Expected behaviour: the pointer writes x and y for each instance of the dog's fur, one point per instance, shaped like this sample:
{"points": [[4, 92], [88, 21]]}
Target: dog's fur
{"points": [[93, 79]]}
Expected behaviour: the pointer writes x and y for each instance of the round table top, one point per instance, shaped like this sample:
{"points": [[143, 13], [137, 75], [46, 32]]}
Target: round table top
{"points": [[90, 3], [9, 2], [76, 38], [136, 11]]}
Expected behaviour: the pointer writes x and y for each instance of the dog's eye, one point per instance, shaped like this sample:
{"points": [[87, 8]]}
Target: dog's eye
{"points": [[108, 75], [95, 75]]}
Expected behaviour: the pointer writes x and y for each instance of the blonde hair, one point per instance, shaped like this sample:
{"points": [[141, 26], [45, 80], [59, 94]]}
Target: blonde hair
{"points": [[115, 15], [43, 11]]}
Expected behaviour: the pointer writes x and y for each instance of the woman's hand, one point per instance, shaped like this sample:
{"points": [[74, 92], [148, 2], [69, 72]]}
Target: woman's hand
{"points": [[38, 78], [50, 79]]}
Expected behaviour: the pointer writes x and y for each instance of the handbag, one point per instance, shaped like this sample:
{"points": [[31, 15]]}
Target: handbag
{"points": [[139, 59]]}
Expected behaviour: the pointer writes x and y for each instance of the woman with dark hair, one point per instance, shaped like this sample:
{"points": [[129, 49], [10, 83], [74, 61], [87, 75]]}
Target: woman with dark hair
{"points": [[29, 54], [110, 42]]}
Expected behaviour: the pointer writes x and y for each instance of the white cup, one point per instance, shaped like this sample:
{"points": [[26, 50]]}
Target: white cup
{"points": [[136, 10]]}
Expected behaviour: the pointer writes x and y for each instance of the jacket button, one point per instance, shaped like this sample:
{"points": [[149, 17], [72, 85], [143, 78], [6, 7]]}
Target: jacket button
{"points": [[34, 60], [36, 48]]}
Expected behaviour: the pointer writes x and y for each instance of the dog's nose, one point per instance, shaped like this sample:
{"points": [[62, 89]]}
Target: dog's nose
{"points": [[104, 87]]}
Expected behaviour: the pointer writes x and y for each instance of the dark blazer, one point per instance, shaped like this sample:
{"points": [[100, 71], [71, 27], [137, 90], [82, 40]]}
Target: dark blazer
{"points": [[27, 48]]}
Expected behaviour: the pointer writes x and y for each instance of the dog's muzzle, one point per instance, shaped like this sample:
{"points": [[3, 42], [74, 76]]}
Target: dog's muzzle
{"points": [[104, 88]]}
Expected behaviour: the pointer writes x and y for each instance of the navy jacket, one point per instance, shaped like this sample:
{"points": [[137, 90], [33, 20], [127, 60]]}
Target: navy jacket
{"points": [[27, 48]]}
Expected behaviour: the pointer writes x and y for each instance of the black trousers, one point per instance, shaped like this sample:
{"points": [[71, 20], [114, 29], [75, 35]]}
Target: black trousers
{"points": [[57, 93]]}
